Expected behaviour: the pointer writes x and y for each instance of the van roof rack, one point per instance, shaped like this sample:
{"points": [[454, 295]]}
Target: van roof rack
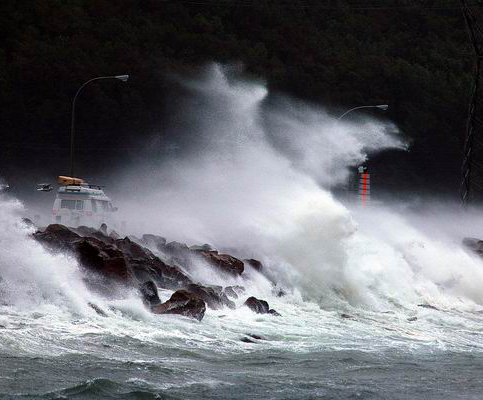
{"points": [[94, 186]]}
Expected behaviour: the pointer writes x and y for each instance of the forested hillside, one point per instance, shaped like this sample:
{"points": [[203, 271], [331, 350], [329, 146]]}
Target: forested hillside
{"points": [[413, 55]]}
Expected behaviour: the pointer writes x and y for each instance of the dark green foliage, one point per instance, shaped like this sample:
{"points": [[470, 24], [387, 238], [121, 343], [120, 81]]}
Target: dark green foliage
{"points": [[416, 60]]}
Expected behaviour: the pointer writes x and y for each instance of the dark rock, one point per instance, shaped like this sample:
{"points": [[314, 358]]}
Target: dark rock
{"points": [[86, 231], [155, 241], [106, 260], [411, 319], [149, 293], [183, 303], [115, 260], [224, 262], [274, 313], [213, 296], [281, 293], [256, 305], [114, 235], [231, 291], [203, 247], [56, 236], [103, 228], [346, 316], [474, 244], [176, 249], [133, 250], [255, 264]]}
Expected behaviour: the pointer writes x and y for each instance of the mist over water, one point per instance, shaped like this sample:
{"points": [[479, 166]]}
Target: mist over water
{"points": [[252, 173]]}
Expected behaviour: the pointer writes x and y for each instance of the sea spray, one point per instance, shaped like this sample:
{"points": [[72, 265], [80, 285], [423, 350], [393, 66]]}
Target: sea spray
{"points": [[254, 179], [31, 276]]}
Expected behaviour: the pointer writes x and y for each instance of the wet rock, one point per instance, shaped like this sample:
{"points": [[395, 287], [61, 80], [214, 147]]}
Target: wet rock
{"points": [[149, 293], [255, 264], [259, 306], [213, 296], [86, 231], [411, 319], [133, 250], [106, 260], [119, 260], [256, 305], [114, 235], [93, 254], [234, 291], [176, 249], [103, 229], [474, 244], [154, 241], [203, 247], [56, 237], [183, 303], [346, 316], [274, 313], [223, 262]]}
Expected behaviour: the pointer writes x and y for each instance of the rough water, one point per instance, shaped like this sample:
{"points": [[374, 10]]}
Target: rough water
{"points": [[382, 302]]}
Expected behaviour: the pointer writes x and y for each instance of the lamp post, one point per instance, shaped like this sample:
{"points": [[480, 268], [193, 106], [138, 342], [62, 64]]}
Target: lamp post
{"points": [[383, 107], [123, 78]]}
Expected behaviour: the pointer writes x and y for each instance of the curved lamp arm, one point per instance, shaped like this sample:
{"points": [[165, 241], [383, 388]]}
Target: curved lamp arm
{"points": [[380, 106], [123, 78]]}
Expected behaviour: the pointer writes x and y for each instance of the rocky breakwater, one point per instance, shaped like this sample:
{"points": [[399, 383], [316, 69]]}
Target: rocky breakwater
{"points": [[112, 264]]}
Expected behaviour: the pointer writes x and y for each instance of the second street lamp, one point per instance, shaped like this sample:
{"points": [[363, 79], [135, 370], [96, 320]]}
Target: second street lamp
{"points": [[383, 107], [123, 78]]}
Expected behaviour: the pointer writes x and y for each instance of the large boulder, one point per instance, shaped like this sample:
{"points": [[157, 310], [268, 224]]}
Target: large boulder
{"points": [[234, 291], [474, 244], [255, 264], [149, 293], [57, 237], [121, 260], [103, 259], [86, 231], [259, 306], [183, 303], [93, 254], [153, 241], [203, 247], [213, 296], [223, 262]]}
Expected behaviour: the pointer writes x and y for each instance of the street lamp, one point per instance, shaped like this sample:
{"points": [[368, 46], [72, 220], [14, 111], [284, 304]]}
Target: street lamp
{"points": [[383, 107], [123, 78]]}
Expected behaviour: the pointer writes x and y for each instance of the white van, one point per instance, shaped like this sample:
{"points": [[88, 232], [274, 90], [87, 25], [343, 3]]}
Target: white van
{"points": [[82, 204]]}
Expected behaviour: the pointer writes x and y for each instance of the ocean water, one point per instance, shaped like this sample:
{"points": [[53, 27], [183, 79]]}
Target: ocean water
{"points": [[305, 354]]}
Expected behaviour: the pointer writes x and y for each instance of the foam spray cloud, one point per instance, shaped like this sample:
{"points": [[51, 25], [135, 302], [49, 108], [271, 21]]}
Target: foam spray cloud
{"points": [[252, 177]]}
